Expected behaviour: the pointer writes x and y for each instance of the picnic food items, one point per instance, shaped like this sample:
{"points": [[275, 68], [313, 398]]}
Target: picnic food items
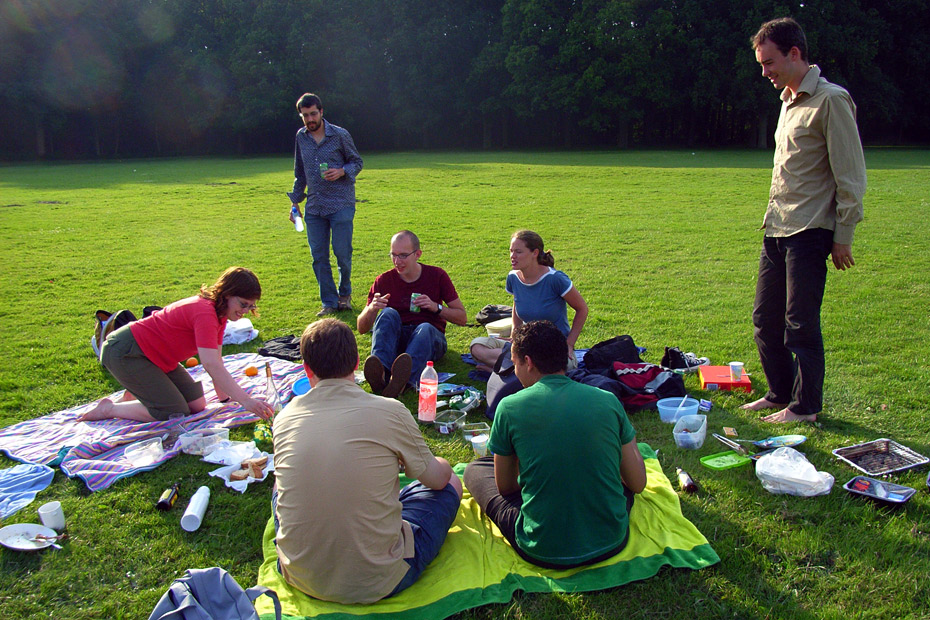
{"points": [[251, 371], [250, 468], [191, 362]]}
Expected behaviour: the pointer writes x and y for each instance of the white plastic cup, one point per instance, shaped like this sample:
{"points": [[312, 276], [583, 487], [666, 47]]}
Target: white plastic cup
{"points": [[193, 516], [736, 371], [52, 516], [479, 444]]}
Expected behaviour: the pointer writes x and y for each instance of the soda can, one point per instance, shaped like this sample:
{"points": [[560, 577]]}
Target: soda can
{"points": [[323, 168], [413, 306]]}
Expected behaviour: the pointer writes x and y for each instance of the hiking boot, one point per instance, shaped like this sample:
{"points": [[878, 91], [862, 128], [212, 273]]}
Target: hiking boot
{"points": [[400, 374], [685, 362], [326, 311], [374, 374], [345, 304]]}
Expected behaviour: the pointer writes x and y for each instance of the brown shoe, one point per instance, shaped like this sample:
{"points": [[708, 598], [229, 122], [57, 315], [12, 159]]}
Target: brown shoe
{"points": [[345, 304], [374, 374], [400, 374], [326, 311]]}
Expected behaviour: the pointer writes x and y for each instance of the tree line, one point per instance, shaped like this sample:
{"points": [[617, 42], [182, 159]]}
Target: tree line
{"points": [[137, 78]]}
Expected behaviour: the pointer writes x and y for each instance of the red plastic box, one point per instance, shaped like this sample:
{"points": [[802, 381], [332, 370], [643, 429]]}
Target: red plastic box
{"points": [[718, 378]]}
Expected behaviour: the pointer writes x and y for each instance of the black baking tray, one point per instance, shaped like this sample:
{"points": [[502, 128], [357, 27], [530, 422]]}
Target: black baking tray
{"points": [[880, 491], [880, 457]]}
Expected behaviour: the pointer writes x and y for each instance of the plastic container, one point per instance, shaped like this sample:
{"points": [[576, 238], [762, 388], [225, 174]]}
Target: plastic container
{"points": [[144, 453], [203, 440], [193, 516], [429, 387], [301, 386], [881, 491], [724, 460], [690, 431], [669, 410], [500, 328], [298, 220], [448, 422], [475, 428]]}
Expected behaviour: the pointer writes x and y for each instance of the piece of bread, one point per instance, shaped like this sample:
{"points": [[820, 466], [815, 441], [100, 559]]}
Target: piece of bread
{"points": [[260, 461], [241, 474]]}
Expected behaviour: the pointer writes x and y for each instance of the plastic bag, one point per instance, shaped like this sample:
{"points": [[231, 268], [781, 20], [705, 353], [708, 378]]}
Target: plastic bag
{"points": [[788, 471]]}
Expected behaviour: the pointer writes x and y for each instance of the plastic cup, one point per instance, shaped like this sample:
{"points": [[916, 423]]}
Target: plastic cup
{"points": [[736, 371], [479, 444], [193, 516], [52, 516]]}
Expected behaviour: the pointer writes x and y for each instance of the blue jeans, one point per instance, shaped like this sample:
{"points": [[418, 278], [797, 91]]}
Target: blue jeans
{"points": [[319, 230], [430, 515], [389, 338]]}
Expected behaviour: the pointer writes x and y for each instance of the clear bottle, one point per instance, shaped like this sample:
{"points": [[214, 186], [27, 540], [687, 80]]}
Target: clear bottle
{"points": [[298, 220], [685, 481], [429, 387], [264, 433]]}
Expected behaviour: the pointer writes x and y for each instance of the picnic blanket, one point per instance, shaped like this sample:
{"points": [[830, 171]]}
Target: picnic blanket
{"points": [[93, 451], [476, 565], [20, 484]]}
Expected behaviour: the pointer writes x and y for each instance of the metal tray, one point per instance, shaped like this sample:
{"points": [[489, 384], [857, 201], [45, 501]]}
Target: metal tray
{"points": [[881, 456]]}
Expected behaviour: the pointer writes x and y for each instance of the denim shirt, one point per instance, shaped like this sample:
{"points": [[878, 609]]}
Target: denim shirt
{"points": [[337, 150]]}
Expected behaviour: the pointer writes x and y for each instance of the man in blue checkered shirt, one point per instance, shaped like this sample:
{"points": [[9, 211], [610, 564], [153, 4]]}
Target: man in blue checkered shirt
{"points": [[326, 163]]}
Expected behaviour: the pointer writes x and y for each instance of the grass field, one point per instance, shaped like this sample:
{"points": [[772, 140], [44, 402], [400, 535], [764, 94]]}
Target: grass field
{"points": [[663, 246]]}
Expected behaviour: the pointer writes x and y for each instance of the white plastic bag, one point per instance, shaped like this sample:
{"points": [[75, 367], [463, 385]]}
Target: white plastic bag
{"points": [[239, 332], [786, 470]]}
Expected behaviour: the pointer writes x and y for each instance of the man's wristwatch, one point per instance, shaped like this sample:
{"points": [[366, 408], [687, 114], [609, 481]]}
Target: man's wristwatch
{"points": [[438, 309]]}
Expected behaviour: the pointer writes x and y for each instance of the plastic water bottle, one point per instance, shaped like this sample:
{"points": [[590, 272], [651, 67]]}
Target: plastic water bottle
{"points": [[429, 387], [298, 221]]}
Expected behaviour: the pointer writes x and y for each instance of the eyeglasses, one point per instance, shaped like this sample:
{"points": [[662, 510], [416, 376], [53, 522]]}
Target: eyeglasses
{"points": [[402, 256], [243, 306]]}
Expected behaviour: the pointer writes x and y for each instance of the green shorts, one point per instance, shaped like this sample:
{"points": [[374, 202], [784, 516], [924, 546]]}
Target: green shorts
{"points": [[163, 394]]}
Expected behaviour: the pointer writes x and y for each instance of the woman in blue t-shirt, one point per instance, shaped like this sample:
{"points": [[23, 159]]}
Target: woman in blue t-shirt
{"points": [[540, 292]]}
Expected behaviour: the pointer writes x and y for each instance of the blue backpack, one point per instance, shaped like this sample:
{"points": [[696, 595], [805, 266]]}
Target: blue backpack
{"points": [[210, 594]]}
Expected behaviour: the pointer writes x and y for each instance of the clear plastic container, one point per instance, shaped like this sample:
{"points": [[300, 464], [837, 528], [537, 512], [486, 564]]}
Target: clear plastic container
{"points": [[690, 431], [146, 452], [475, 428], [203, 440], [448, 422]]}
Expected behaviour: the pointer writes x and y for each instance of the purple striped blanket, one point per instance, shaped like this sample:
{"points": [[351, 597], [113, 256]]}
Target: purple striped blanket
{"points": [[93, 451]]}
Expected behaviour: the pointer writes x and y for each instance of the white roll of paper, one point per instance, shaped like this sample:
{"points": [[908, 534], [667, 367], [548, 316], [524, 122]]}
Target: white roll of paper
{"points": [[190, 522]]}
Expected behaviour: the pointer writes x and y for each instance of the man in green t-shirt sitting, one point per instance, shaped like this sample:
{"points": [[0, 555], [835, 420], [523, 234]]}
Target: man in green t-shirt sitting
{"points": [[565, 468]]}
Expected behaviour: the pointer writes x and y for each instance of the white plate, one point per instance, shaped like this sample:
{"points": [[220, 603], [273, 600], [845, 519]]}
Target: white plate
{"points": [[18, 536]]}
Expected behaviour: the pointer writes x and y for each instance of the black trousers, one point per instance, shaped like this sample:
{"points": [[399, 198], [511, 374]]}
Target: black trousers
{"points": [[503, 510], [786, 317]]}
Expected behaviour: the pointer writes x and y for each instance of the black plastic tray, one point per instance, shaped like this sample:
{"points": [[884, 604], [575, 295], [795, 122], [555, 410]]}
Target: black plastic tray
{"points": [[880, 490]]}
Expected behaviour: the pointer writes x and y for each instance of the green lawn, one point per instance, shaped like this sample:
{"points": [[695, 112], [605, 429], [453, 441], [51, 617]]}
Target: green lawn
{"points": [[663, 246]]}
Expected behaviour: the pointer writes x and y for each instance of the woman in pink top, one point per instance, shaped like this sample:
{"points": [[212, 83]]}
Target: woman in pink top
{"points": [[144, 356]]}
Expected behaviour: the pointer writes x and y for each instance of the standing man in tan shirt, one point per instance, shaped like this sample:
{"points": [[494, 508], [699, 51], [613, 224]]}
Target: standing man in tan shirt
{"points": [[346, 532], [814, 205]]}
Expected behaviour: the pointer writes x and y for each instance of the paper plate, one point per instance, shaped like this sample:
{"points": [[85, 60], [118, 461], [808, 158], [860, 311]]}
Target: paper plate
{"points": [[301, 386], [18, 536]]}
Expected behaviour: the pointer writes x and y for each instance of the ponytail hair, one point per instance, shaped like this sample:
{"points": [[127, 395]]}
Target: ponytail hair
{"points": [[533, 242]]}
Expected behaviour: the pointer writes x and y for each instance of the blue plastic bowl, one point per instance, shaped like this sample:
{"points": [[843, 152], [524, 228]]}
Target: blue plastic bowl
{"points": [[302, 386], [669, 406]]}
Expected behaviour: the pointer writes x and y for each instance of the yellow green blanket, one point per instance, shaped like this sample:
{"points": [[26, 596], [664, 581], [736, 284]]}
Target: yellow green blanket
{"points": [[477, 566]]}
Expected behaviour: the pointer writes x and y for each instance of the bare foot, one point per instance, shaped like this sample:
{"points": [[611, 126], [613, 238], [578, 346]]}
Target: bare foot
{"points": [[762, 403], [785, 415], [102, 411]]}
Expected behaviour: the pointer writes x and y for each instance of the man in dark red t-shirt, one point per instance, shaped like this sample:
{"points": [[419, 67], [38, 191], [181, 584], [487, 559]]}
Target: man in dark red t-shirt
{"points": [[407, 311]]}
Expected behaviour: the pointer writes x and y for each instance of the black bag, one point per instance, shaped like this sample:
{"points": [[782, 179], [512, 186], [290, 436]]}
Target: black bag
{"points": [[503, 381], [619, 349], [493, 312], [282, 347]]}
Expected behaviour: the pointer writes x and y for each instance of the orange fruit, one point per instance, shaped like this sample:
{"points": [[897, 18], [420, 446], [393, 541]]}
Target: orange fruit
{"points": [[191, 362], [251, 371]]}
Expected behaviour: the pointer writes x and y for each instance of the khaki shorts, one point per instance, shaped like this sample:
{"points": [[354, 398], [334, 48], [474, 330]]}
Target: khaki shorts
{"points": [[496, 343], [163, 394]]}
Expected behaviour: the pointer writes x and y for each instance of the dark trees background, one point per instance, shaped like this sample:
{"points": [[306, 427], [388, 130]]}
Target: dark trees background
{"points": [[138, 78]]}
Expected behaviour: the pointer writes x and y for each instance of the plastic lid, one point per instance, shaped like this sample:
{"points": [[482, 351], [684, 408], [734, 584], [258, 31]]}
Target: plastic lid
{"points": [[429, 363]]}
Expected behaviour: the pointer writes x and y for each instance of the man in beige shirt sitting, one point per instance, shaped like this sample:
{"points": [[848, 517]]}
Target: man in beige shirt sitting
{"points": [[345, 530], [814, 205]]}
